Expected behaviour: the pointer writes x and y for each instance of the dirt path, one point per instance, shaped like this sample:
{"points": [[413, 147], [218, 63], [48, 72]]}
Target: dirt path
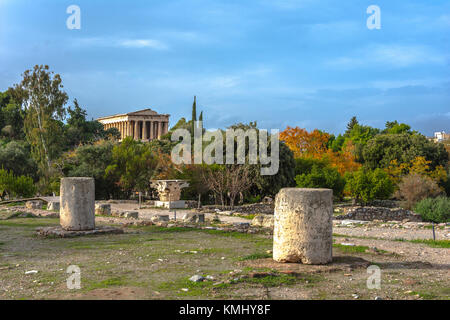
{"points": [[390, 233]]}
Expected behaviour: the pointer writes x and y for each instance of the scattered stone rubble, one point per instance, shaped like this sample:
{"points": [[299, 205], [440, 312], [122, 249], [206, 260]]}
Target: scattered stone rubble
{"points": [[34, 204], [393, 224]]}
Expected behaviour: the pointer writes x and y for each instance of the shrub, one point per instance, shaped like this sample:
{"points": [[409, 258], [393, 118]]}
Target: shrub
{"points": [[434, 209], [24, 187], [20, 186], [326, 177], [305, 165], [366, 185], [414, 187]]}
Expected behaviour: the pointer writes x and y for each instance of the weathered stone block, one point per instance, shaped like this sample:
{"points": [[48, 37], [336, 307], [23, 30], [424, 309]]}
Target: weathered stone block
{"points": [[263, 220], [131, 214], [34, 204], [103, 209], [160, 218], [53, 206], [77, 198], [303, 226], [193, 217]]}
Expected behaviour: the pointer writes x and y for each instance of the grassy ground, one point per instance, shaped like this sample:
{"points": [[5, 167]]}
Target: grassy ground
{"points": [[155, 263]]}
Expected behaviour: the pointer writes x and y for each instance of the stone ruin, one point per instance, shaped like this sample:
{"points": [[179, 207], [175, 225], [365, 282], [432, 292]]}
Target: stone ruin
{"points": [[77, 210], [303, 225], [169, 192]]}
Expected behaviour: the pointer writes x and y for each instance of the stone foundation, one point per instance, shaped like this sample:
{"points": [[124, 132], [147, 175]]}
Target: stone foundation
{"points": [[379, 213], [59, 232]]}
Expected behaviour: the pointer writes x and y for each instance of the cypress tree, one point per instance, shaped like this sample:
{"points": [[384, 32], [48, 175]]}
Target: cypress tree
{"points": [[194, 114]]}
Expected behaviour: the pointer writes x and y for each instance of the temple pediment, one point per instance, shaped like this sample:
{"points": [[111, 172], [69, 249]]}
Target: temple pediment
{"points": [[145, 112]]}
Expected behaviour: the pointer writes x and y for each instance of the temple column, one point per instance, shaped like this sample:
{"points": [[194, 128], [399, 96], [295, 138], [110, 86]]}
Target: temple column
{"points": [[151, 130], [159, 129], [122, 130], [144, 135], [136, 130]]}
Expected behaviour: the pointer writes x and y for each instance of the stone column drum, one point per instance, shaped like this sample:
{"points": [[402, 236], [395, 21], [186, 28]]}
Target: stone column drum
{"points": [[303, 226], [77, 203]]}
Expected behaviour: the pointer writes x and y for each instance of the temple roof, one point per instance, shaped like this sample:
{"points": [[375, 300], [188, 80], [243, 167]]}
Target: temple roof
{"points": [[143, 112]]}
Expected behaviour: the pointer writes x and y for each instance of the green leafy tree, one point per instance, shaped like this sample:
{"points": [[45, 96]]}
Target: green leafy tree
{"points": [[133, 165], [366, 185], [393, 127], [15, 186], [268, 185], [91, 160], [11, 117], [80, 131], [16, 157], [404, 148], [352, 123], [41, 96], [325, 177]]}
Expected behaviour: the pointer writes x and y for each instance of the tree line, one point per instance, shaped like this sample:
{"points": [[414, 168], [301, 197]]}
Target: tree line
{"points": [[42, 139]]}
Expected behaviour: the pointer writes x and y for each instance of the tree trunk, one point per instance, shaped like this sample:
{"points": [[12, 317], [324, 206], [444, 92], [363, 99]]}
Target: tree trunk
{"points": [[199, 204]]}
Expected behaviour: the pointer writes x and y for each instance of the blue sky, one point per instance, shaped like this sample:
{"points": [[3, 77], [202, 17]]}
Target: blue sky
{"points": [[307, 63]]}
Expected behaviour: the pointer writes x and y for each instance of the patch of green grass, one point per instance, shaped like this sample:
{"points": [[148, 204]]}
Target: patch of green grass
{"points": [[275, 280], [433, 243], [350, 249], [247, 216], [29, 222], [424, 295], [256, 256], [15, 204], [117, 281], [233, 234]]}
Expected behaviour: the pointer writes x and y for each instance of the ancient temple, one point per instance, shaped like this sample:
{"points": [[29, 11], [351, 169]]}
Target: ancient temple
{"points": [[143, 125]]}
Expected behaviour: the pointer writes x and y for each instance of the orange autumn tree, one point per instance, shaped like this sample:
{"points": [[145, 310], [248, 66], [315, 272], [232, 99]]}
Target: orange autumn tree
{"points": [[305, 144], [313, 144], [343, 161]]}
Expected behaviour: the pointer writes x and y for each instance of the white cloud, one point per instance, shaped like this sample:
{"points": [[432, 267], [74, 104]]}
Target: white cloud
{"points": [[142, 43], [124, 43], [397, 56]]}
